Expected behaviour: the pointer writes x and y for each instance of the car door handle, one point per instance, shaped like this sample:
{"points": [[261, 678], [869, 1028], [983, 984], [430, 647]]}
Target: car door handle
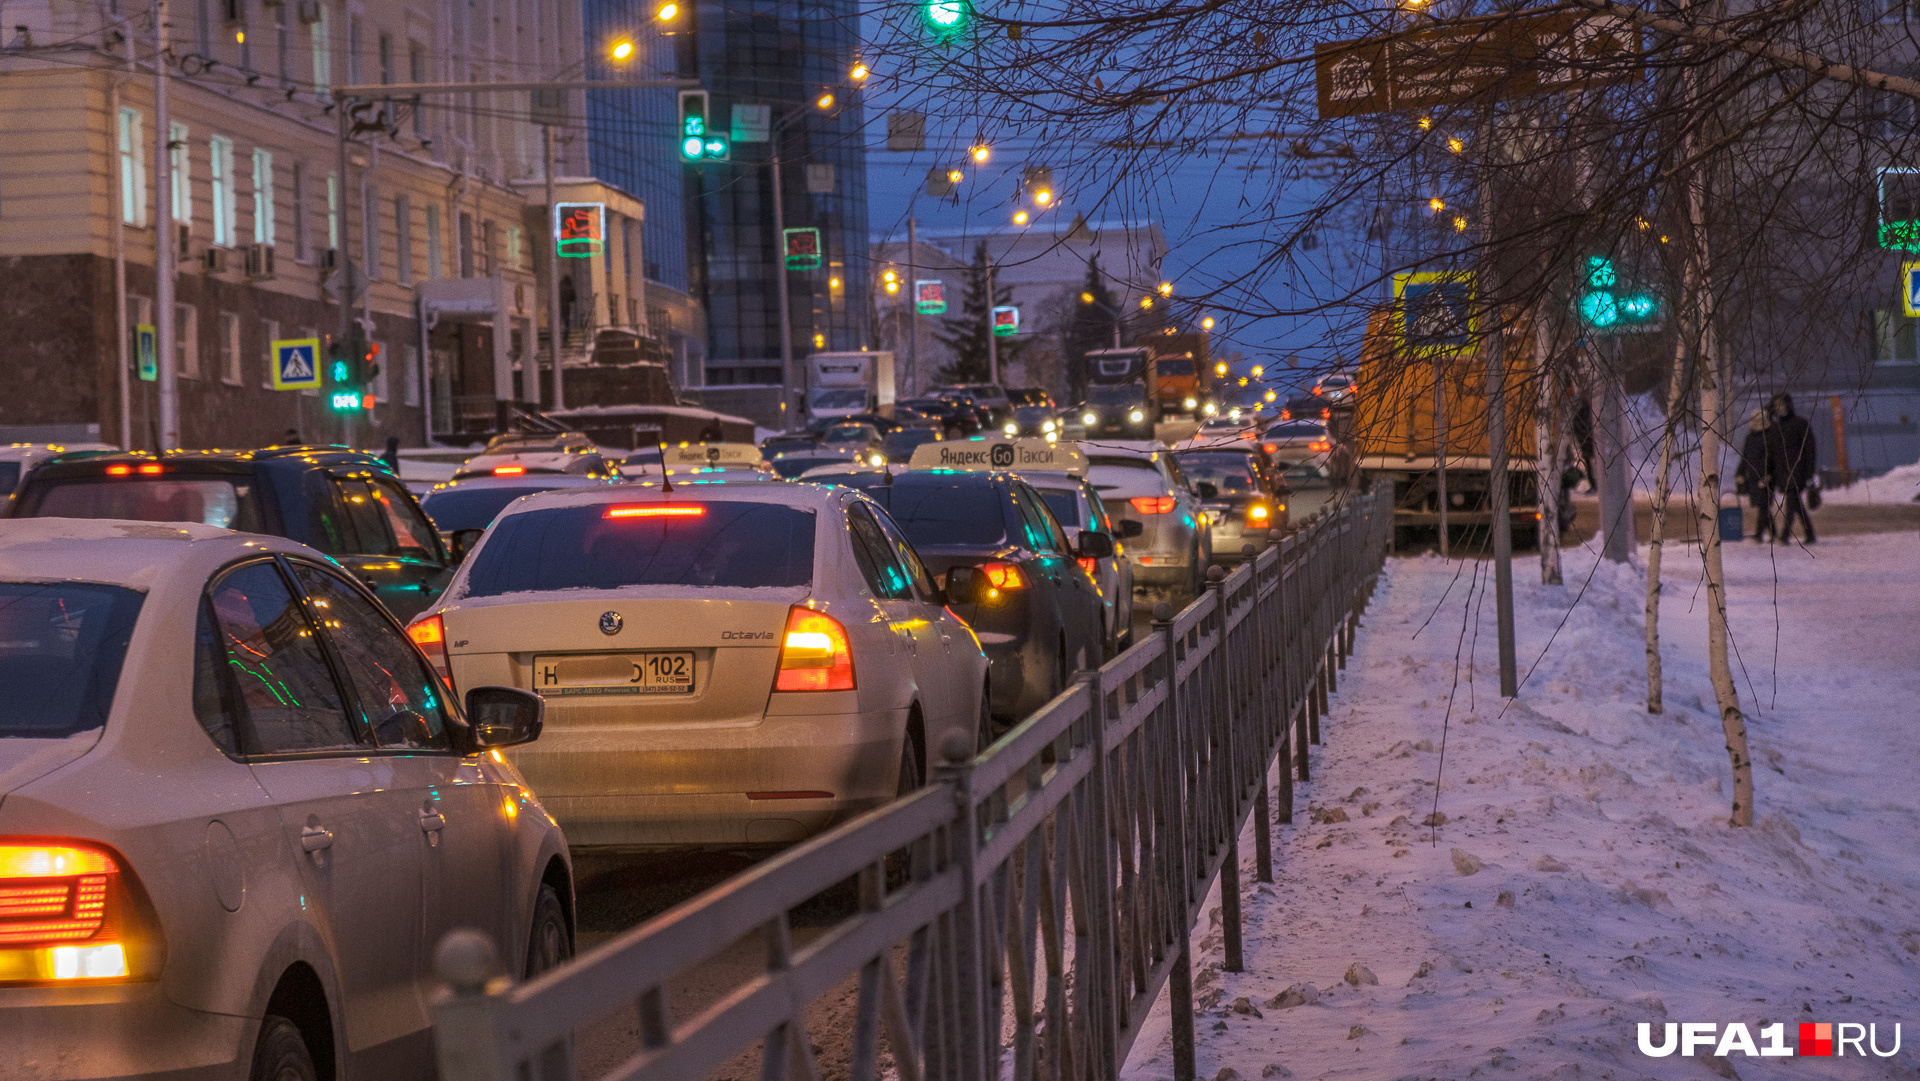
{"points": [[314, 838], [432, 823]]}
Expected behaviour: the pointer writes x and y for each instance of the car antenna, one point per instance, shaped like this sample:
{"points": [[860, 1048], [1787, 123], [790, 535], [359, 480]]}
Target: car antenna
{"points": [[666, 484]]}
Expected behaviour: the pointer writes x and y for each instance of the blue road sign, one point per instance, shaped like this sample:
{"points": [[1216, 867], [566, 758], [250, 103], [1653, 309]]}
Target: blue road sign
{"points": [[143, 350], [1910, 289], [1435, 312], [296, 364]]}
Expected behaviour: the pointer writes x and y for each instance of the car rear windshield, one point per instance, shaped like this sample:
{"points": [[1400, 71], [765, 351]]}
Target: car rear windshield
{"points": [[209, 499], [61, 647], [727, 544], [1124, 478], [1176, 367], [471, 508], [1231, 473], [1298, 429], [847, 433], [789, 468], [945, 514]]}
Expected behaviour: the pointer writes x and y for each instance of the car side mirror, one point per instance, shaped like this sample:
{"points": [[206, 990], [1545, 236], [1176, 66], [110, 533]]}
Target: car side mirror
{"points": [[1095, 545], [963, 585], [461, 541], [1206, 490], [1130, 528], [504, 716]]}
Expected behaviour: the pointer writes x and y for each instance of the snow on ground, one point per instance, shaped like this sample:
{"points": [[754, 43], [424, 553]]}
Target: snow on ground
{"points": [[1900, 484], [1585, 878]]}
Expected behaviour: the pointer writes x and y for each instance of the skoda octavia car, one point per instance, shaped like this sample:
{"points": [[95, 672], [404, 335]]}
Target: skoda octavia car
{"points": [[723, 665], [237, 812]]}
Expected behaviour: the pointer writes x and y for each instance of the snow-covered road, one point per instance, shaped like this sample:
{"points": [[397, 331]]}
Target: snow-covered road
{"points": [[1584, 878]]}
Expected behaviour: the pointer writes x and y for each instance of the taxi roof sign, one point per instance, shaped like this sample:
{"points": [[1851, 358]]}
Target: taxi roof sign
{"points": [[1015, 455], [715, 455]]}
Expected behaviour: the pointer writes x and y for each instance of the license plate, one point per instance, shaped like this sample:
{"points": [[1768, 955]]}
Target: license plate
{"points": [[614, 673]]}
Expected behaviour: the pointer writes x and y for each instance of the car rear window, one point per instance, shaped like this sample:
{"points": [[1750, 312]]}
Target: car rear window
{"points": [[1297, 430], [476, 508], [1231, 473], [945, 514], [1124, 478], [847, 433], [790, 468], [209, 499], [61, 648], [1175, 367], [726, 544]]}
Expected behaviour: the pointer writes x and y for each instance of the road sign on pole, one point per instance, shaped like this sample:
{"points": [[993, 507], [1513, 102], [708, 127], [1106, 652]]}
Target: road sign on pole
{"points": [[929, 296], [143, 350], [1006, 321], [296, 364], [1909, 290], [1474, 59], [1433, 312], [579, 229], [802, 247]]}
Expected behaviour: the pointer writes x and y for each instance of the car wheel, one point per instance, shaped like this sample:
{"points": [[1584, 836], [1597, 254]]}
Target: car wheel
{"points": [[912, 759], [983, 734], [281, 1054], [550, 945]]}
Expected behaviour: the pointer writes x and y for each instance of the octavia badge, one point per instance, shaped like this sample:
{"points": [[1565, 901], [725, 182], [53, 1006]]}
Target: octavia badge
{"points": [[610, 623]]}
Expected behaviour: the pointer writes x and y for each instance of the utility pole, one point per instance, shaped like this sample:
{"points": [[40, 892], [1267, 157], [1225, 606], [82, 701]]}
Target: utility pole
{"points": [[1616, 501], [1440, 445], [554, 329], [913, 312], [344, 254], [788, 376], [1501, 525], [120, 254], [165, 246], [993, 343]]}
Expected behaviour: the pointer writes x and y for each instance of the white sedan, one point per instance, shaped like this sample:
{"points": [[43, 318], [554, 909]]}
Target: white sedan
{"points": [[238, 811], [723, 665]]}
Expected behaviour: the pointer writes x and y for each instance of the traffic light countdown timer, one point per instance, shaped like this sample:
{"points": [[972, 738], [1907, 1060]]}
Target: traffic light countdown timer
{"points": [[1609, 304], [697, 139], [351, 365]]}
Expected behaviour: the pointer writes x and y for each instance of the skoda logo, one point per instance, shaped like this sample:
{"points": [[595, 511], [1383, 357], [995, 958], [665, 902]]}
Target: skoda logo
{"points": [[610, 623], [1001, 455]]}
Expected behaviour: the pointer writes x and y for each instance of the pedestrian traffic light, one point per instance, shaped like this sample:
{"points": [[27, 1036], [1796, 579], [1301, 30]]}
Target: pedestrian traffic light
{"points": [[343, 388], [1608, 303], [697, 140], [946, 17]]}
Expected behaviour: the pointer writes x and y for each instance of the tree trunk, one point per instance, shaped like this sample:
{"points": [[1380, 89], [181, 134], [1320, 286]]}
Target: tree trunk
{"points": [[1662, 487], [1725, 694], [1546, 453]]}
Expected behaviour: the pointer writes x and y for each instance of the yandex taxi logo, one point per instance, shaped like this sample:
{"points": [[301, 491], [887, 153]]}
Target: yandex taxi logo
{"points": [[1018, 455], [1816, 1039]]}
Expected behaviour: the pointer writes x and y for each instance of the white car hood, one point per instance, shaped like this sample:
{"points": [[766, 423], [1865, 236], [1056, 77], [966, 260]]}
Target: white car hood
{"points": [[24, 761]]}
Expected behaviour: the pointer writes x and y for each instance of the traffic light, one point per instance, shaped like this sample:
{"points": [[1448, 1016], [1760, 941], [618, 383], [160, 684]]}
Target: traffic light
{"points": [[946, 17], [697, 140], [1608, 303], [351, 365]]}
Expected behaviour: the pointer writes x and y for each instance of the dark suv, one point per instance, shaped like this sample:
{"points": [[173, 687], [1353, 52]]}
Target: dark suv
{"points": [[338, 501]]}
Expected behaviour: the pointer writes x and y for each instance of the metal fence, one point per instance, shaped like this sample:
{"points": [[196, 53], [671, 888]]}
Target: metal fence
{"points": [[1019, 915]]}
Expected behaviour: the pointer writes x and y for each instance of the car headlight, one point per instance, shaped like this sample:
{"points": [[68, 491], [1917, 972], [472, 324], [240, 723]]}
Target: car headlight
{"points": [[1047, 426], [1136, 416], [1090, 418], [1189, 404], [1010, 428], [1211, 409]]}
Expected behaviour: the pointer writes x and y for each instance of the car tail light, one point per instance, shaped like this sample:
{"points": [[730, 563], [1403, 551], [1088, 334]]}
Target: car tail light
{"points": [[1258, 514], [430, 634], [509, 470], [1326, 414], [67, 912], [815, 654], [119, 471], [1319, 445], [1270, 448], [654, 510], [1004, 575], [1153, 504], [148, 470], [1091, 566], [1286, 414]]}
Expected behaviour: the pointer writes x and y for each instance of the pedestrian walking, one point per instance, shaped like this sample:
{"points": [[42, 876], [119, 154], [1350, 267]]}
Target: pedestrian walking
{"points": [[391, 457], [1790, 463], [1754, 478]]}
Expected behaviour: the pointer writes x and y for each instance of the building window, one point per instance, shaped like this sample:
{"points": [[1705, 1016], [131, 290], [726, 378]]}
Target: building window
{"points": [[403, 239], [302, 249], [282, 44], [133, 168], [353, 50], [220, 181], [186, 340], [203, 26], [269, 333], [182, 184], [433, 241], [410, 372], [466, 244], [486, 249], [333, 211], [239, 24], [230, 348], [513, 248], [263, 228], [417, 72], [380, 384], [370, 232], [322, 56]]}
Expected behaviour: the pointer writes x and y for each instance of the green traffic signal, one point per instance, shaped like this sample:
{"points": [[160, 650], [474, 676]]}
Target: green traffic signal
{"points": [[946, 16], [1611, 303], [1599, 309], [1600, 272]]}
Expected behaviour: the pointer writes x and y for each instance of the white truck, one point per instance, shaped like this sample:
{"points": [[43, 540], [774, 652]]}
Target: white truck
{"points": [[842, 384]]}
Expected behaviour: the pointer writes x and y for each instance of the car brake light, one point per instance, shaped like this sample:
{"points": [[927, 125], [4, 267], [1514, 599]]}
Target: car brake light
{"points": [[1153, 504], [1286, 414], [1257, 513], [815, 654], [1003, 576], [1319, 444], [1271, 448], [1091, 566], [1326, 414], [119, 470], [509, 470], [430, 634], [64, 912], [655, 510]]}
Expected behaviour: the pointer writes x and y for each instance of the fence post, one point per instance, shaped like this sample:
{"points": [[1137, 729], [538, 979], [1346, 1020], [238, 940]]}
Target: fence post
{"points": [[1264, 665], [1281, 677], [1228, 772], [1098, 853], [466, 1018], [1180, 972], [977, 1061]]}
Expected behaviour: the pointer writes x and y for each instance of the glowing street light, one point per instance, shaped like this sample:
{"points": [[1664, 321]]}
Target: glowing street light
{"points": [[1166, 289], [1019, 217], [824, 102], [859, 73], [667, 12], [980, 153], [622, 50]]}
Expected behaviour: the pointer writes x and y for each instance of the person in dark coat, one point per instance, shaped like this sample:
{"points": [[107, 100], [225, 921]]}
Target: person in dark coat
{"points": [[1790, 461], [392, 455], [1754, 477]]}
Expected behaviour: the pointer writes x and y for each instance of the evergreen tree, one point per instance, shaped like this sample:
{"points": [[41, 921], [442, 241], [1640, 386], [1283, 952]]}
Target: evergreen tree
{"points": [[1092, 326], [967, 335]]}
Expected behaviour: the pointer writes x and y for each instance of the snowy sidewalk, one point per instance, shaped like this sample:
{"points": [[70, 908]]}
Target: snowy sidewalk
{"points": [[1584, 878]]}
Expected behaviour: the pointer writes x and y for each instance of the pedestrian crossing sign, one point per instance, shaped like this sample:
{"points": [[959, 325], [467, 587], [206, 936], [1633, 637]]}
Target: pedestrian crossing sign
{"points": [[296, 364], [1910, 289]]}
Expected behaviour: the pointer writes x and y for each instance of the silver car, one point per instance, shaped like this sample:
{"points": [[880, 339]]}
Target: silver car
{"points": [[237, 812], [1078, 508], [1140, 482]]}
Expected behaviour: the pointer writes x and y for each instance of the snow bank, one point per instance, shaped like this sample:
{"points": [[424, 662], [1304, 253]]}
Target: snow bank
{"points": [[1583, 877], [1898, 485]]}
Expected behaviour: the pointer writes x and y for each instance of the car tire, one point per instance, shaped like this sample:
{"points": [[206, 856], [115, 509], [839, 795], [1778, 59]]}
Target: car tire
{"points": [[983, 733], [281, 1053], [549, 943], [913, 757]]}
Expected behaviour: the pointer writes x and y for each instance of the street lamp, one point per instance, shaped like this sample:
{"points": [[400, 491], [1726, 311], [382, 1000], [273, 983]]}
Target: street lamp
{"points": [[1087, 299]]}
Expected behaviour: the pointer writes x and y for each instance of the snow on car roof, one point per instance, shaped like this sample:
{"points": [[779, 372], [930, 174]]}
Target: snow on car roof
{"points": [[806, 496], [135, 554]]}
